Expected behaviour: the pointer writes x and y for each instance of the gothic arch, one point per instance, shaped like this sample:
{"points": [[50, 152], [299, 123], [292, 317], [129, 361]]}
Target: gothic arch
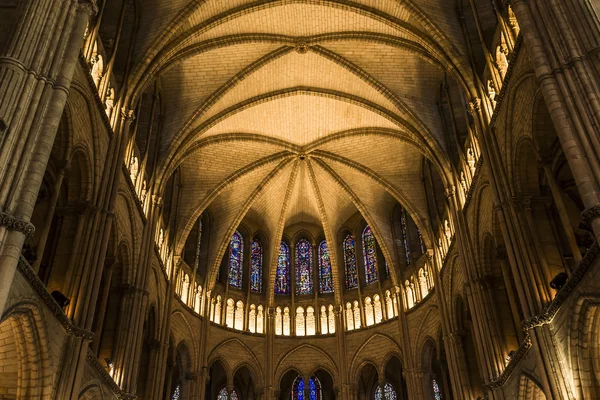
{"points": [[25, 345], [529, 389], [287, 361]]}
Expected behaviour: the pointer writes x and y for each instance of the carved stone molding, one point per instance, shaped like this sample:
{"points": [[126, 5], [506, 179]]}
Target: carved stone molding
{"points": [[39, 287], [512, 364], [590, 214], [17, 224], [475, 105], [127, 115], [88, 6], [562, 295], [107, 379]]}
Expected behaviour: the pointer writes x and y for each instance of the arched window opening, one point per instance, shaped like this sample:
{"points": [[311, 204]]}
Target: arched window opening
{"points": [[388, 392], [369, 320], [310, 321], [256, 267], [370, 255], [315, 391], [259, 320], [325, 273], [324, 327], [349, 317], [286, 321], [278, 322], [377, 309], [350, 263], [217, 311], [282, 279], [236, 255], [410, 300], [300, 321], [304, 281], [331, 319], [239, 316], [389, 306], [423, 285], [252, 319], [357, 322], [229, 313], [185, 289]]}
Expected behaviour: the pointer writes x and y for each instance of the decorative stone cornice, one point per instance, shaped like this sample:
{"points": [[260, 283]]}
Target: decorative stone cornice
{"points": [[562, 295], [590, 214], [88, 6], [512, 364], [39, 287], [107, 379], [16, 224]]}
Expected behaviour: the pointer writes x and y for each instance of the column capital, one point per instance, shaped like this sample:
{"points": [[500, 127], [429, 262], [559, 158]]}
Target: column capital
{"points": [[13, 223], [590, 214], [475, 104], [127, 114], [88, 6]]}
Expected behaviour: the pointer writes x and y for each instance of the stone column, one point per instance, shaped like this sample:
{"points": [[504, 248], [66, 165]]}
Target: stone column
{"points": [[35, 75], [49, 216], [561, 37]]}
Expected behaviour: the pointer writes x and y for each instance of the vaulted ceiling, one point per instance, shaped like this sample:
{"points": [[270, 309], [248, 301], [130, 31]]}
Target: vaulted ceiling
{"points": [[299, 111]]}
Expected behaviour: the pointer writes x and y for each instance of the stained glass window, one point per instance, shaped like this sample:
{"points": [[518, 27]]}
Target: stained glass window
{"points": [[222, 394], [370, 253], [304, 281], [236, 254], [325, 275], [421, 243], [350, 263], [388, 392], [405, 236], [176, 393], [314, 389], [256, 267], [234, 396], [437, 393], [282, 279]]}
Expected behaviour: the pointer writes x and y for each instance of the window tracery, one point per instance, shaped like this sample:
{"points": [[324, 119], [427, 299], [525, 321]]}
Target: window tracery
{"points": [[282, 279], [304, 281], [370, 255], [325, 273], [256, 267], [350, 262], [236, 254]]}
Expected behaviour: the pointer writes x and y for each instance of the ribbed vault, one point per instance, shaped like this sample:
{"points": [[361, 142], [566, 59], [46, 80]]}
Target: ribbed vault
{"points": [[298, 112]]}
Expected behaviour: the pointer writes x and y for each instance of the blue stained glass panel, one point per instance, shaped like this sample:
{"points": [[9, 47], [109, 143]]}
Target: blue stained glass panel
{"points": [[325, 273], [370, 255], [304, 281], [256, 267], [437, 393], [222, 394], [236, 254], [387, 393], [350, 263], [176, 393], [282, 278], [314, 389], [405, 236]]}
